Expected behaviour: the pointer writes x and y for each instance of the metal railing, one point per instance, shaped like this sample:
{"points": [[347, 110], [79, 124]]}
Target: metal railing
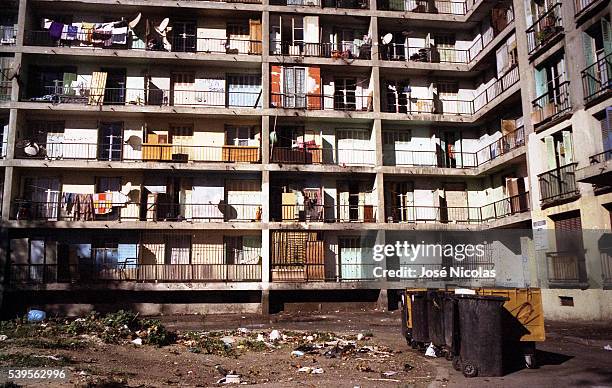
{"points": [[159, 273], [59, 94], [348, 50], [327, 213], [558, 184], [6, 88], [502, 146], [401, 52], [606, 265], [80, 209], [319, 155], [308, 101], [545, 28], [403, 102], [563, 267], [459, 214], [430, 159], [141, 153], [597, 78], [581, 5], [427, 6], [344, 4], [180, 43], [601, 157], [552, 104], [8, 35]]}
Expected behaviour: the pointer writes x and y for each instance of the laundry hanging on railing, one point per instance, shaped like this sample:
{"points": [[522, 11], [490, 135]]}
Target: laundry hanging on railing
{"points": [[105, 34], [85, 206]]}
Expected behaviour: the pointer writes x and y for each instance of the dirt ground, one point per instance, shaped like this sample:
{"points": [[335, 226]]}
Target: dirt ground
{"points": [[573, 355]]}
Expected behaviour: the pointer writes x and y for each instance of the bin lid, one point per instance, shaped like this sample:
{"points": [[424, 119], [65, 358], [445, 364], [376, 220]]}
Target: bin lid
{"points": [[485, 297]]}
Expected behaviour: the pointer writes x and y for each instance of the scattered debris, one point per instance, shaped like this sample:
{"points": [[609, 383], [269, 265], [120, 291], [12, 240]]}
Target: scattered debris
{"points": [[408, 367], [3, 337], [274, 335], [360, 337], [297, 353], [311, 370], [608, 347], [35, 316], [137, 341], [431, 351], [389, 373]]}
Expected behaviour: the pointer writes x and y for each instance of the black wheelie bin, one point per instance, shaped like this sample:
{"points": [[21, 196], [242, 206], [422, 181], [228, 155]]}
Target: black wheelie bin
{"points": [[481, 335], [435, 318], [420, 324]]}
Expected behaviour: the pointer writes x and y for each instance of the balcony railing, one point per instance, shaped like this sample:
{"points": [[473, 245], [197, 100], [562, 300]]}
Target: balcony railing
{"points": [[132, 272], [344, 4], [558, 184], [563, 267], [344, 50], [327, 213], [597, 78], [601, 157], [606, 265], [181, 43], [318, 155], [427, 6], [144, 153], [8, 35], [459, 214], [86, 209], [148, 96], [343, 102], [547, 26], [403, 102], [582, 5], [429, 158], [502, 146], [401, 52], [5, 90], [552, 104]]}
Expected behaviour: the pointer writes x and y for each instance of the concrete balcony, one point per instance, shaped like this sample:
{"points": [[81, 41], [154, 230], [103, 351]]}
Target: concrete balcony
{"points": [[599, 170], [552, 105], [597, 80], [545, 30], [558, 185]]}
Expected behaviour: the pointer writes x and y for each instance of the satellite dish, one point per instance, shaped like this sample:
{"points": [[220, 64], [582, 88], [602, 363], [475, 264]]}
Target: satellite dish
{"points": [[164, 24], [31, 149], [273, 137], [135, 142], [387, 39], [135, 22]]}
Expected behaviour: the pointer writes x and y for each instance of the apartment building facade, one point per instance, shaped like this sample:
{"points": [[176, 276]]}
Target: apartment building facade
{"points": [[219, 156]]}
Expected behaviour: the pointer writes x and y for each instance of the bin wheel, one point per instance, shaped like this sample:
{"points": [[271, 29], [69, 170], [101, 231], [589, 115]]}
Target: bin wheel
{"points": [[470, 370], [449, 355], [456, 363], [530, 361]]}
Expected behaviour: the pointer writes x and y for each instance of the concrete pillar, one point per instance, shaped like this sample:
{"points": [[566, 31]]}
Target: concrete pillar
{"points": [[265, 140], [375, 37], [380, 192], [4, 257], [265, 257], [383, 300], [574, 64], [11, 136], [375, 78], [265, 302], [527, 81], [8, 193], [21, 18], [265, 57]]}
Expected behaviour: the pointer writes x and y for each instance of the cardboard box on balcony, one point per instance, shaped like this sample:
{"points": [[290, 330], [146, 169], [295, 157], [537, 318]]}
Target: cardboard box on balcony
{"points": [[240, 153]]}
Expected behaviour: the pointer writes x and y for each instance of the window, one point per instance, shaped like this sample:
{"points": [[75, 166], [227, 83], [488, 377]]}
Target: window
{"points": [[104, 184], [295, 87], [344, 94], [559, 149], [239, 135], [183, 79], [398, 137], [446, 47], [184, 36]]}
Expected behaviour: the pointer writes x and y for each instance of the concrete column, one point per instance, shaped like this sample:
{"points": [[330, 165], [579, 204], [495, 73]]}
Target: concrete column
{"points": [[380, 192], [4, 257], [375, 78], [265, 302], [8, 193], [374, 36], [21, 18], [527, 81], [15, 84], [11, 136], [378, 141], [265, 56], [265, 257], [265, 140], [575, 60]]}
